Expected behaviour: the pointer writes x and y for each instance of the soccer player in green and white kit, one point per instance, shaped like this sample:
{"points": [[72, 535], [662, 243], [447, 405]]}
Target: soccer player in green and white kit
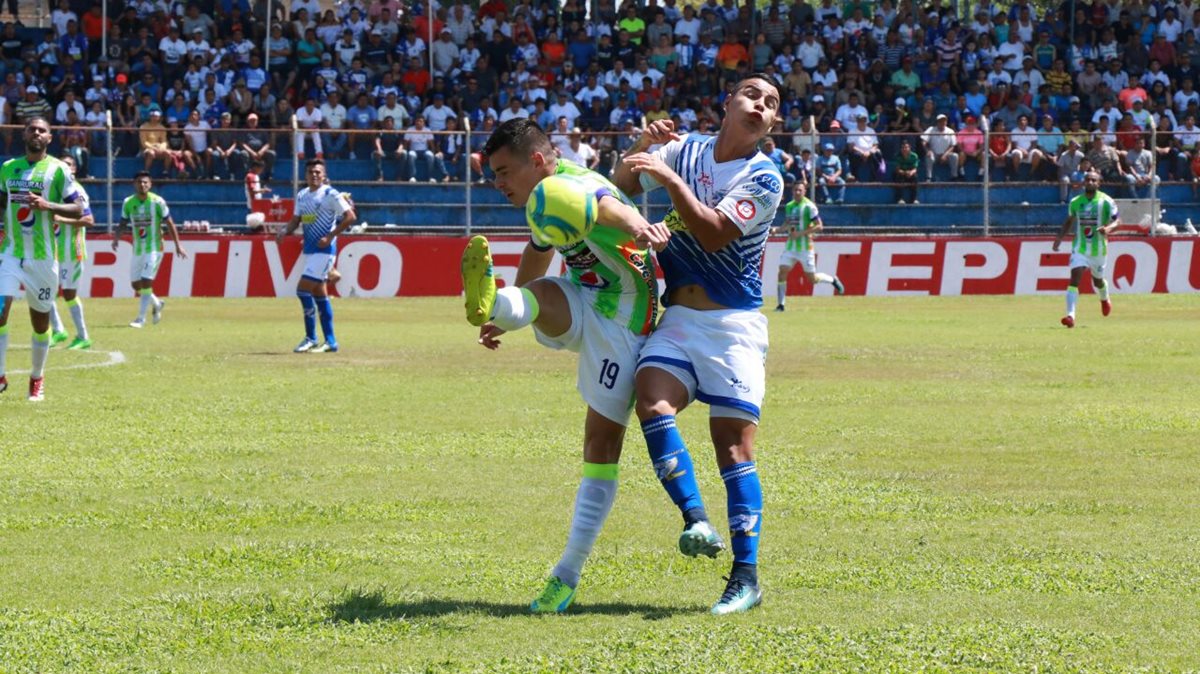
{"points": [[1094, 215], [603, 308], [72, 257], [144, 212], [801, 220], [35, 190]]}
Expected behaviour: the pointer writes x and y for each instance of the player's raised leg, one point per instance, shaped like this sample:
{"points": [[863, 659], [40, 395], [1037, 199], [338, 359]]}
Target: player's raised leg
{"points": [[479, 284]]}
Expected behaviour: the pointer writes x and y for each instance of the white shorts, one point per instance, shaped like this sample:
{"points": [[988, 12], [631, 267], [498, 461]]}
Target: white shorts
{"points": [[40, 278], [317, 266], [806, 259], [145, 266], [608, 354], [70, 273], [720, 356], [1096, 263]]}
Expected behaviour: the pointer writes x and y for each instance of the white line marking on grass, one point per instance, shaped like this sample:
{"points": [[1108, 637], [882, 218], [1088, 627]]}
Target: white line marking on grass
{"points": [[114, 358]]}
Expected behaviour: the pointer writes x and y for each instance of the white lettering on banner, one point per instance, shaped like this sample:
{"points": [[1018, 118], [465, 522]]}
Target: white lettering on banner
{"points": [[1030, 270], [183, 270], [237, 268], [1145, 266], [117, 271], [282, 284], [955, 269], [350, 258], [881, 272], [1182, 255]]}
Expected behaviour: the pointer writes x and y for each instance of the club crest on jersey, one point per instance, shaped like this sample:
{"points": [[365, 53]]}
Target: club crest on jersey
{"points": [[746, 209], [768, 182], [705, 179]]}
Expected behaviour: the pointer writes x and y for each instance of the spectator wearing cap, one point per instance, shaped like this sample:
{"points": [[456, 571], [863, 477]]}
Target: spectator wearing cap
{"points": [[33, 105], [940, 144], [256, 145], [445, 55], [865, 156], [437, 112], [153, 138], [829, 174]]}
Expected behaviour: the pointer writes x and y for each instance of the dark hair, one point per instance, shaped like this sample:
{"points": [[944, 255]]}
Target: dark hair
{"points": [[313, 162], [520, 136], [38, 118], [141, 174], [257, 162], [765, 78]]}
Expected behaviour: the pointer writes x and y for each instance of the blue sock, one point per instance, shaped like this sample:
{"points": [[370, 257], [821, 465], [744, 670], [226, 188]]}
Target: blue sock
{"points": [[745, 501], [310, 314], [326, 310], [673, 465]]}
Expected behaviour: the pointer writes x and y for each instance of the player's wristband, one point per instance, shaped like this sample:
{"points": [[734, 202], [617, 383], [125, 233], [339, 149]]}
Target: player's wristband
{"points": [[539, 247]]}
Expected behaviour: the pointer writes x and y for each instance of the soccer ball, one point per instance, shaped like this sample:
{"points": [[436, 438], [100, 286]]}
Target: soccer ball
{"points": [[561, 210]]}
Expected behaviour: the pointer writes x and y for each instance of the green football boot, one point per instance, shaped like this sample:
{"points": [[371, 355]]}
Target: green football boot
{"points": [[58, 338], [80, 344], [479, 283], [554, 599]]}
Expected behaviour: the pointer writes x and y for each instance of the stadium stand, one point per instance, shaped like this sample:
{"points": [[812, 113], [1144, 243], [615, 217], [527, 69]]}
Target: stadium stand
{"points": [[383, 89]]}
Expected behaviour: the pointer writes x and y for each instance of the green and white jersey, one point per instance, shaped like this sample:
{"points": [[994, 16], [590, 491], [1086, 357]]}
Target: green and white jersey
{"points": [[72, 247], [1090, 215], [612, 269], [799, 216], [29, 234], [146, 217]]}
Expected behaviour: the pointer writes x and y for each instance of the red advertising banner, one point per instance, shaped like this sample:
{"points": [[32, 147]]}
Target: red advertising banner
{"points": [[257, 266]]}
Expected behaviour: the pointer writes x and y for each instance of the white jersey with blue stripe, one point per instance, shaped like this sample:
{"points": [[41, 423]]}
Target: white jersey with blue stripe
{"points": [[748, 191], [320, 210]]}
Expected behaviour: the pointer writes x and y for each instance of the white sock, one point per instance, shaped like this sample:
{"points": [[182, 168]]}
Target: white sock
{"points": [[3, 347], [41, 349], [593, 502], [1072, 299], [56, 324], [781, 293], [822, 277], [514, 309], [76, 306], [1101, 290], [144, 305], [154, 300]]}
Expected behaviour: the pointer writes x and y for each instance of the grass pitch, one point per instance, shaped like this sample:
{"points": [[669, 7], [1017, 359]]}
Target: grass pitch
{"points": [[952, 484]]}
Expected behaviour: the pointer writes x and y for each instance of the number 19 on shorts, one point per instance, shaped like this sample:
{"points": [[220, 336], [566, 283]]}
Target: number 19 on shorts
{"points": [[609, 370]]}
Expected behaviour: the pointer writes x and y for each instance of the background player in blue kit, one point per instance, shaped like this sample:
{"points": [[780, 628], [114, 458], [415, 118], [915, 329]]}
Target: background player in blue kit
{"points": [[324, 212], [711, 344]]}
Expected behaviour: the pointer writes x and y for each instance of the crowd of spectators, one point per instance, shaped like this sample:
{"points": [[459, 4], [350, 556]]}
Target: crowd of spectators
{"points": [[871, 90]]}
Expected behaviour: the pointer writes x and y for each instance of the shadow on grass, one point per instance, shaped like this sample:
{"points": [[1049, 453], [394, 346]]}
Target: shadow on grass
{"points": [[371, 606]]}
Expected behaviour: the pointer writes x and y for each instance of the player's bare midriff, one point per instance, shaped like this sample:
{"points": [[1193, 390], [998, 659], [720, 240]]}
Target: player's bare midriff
{"points": [[693, 297]]}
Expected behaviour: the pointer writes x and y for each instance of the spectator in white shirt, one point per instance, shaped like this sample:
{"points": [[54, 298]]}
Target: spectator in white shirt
{"points": [[68, 103], [863, 144], [333, 115], [941, 147], [580, 152], [196, 131], [1025, 147], [437, 113], [419, 143], [309, 119], [563, 107], [848, 112]]}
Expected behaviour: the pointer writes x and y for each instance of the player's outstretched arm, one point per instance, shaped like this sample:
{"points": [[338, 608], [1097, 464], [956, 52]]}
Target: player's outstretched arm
{"points": [[175, 238], [1062, 232], [616, 214], [535, 262], [657, 133], [86, 221]]}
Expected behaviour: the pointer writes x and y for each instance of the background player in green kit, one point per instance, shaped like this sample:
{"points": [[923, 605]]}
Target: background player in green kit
{"points": [[36, 189], [1094, 215], [144, 212], [602, 309], [72, 257], [801, 220]]}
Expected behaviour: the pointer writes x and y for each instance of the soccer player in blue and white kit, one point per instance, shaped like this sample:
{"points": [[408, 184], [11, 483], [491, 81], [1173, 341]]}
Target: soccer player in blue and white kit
{"points": [[324, 212], [711, 344]]}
